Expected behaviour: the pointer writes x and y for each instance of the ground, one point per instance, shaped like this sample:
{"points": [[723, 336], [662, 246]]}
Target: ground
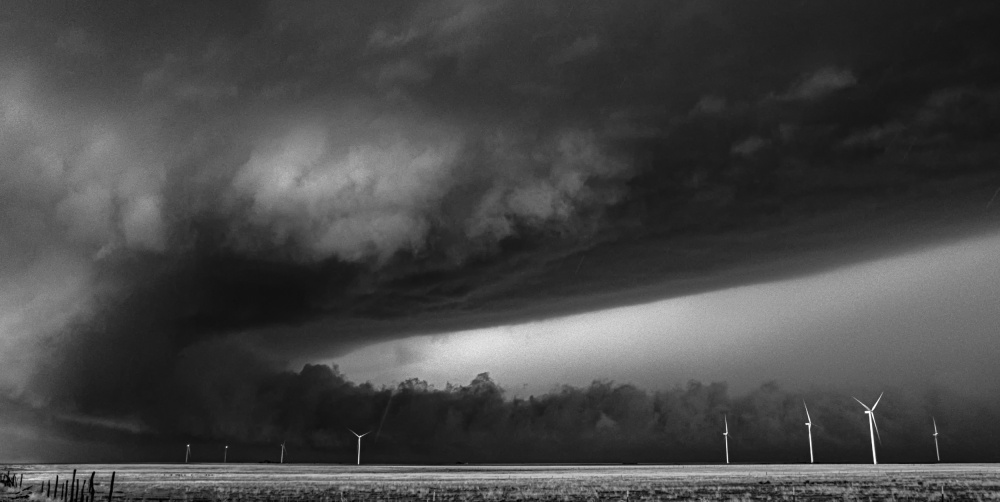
{"points": [[294, 482]]}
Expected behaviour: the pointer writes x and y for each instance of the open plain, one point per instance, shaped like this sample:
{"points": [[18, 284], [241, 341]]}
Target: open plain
{"points": [[312, 482]]}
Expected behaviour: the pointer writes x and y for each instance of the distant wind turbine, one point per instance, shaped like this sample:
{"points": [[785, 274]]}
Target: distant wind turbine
{"points": [[936, 449], [282, 459], [726, 436], [225, 454], [359, 443], [809, 429], [872, 426], [187, 453]]}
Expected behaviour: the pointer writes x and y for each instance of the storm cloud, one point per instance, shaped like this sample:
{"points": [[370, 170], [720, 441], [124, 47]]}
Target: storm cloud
{"points": [[258, 183]]}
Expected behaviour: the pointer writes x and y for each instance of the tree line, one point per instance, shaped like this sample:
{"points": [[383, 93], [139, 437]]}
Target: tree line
{"points": [[603, 422]]}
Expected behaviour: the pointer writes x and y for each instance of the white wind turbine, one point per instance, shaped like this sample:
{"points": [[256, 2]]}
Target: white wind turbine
{"points": [[187, 453], [872, 426], [282, 460], [809, 428], [726, 436], [225, 454], [936, 449], [359, 443]]}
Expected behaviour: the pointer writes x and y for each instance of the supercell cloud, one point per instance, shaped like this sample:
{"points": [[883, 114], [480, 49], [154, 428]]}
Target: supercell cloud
{"points": [[187, 187]]}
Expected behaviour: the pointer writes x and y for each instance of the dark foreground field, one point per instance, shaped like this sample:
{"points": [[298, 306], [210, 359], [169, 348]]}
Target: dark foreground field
{"points": [[294, 482]]}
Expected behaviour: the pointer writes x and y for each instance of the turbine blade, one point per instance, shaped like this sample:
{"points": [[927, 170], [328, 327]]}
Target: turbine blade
{"points": [[352, 431], [876, 429], [807, 412], [726, 421], [876, 401], [862, 404], [935, 425]]}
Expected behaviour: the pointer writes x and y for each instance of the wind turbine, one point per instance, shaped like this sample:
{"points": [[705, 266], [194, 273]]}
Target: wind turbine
{"points": [[936, 450], [809, 428], [282, 460], [359, 443], [872, 426], [726, 435], [225, 454], [187, 453]]}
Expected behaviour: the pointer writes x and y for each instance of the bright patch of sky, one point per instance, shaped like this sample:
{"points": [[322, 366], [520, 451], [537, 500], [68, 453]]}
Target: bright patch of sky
{"points": [[926, 317]]}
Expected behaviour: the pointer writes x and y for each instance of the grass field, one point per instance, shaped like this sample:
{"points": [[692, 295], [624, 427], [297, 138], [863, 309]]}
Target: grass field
{"points": [[294, 482]]}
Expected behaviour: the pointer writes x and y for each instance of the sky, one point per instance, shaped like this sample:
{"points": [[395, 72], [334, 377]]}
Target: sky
{"points": [[552, 193], [921, 318]]}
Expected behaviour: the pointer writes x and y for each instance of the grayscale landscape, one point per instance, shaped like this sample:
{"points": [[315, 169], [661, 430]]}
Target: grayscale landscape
{"points": [[499, 249]]}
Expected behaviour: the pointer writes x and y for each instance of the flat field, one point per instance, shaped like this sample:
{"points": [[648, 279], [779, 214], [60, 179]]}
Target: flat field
{"points": [[294, 482]]}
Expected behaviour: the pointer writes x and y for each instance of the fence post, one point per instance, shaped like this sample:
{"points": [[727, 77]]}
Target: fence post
{"points": [[55, 494], [111, 489], [92, 486]]}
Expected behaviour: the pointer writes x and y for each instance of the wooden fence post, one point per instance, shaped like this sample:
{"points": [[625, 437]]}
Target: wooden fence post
{"points": [[92, 486], [111, 489]]}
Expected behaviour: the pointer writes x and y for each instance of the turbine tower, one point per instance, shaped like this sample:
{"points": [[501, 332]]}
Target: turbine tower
{"points": [[225, 454], [809, 429], [872, 426], [359, 443], [187, 453], [936, 449], [282, 459], [726, 436]]}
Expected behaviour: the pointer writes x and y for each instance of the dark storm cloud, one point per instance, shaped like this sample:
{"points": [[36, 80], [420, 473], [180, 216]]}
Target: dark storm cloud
{"points": [[308, 177]]}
